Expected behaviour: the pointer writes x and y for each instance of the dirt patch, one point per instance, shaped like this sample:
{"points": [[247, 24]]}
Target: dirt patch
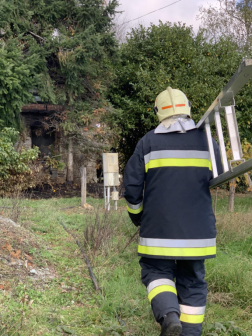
{"points": [[17, 260], [68, 190]]}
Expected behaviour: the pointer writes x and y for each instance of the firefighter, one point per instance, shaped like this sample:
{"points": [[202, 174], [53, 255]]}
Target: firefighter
{"points": [[167, 192]]}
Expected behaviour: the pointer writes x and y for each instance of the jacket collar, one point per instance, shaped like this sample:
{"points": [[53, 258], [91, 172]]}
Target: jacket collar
{"points": [[180, 126]]}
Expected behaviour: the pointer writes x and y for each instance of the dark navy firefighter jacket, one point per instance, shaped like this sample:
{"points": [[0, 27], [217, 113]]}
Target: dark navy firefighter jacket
{"points": [[167, 193]]}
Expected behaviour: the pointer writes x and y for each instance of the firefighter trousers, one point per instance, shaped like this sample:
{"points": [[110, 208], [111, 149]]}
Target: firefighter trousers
{"points": [[176, 286]]}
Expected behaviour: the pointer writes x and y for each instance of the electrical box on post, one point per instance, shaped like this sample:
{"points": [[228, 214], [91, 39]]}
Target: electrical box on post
{"points": [[110, 169], [115, 196]]}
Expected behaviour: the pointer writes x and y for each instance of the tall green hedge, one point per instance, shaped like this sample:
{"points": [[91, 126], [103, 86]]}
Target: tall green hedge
{"points": [[171, 55]]}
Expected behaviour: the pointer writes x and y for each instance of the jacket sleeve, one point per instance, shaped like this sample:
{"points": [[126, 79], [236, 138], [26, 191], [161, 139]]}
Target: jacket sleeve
{"points": [[218, 158], [134, 177]]}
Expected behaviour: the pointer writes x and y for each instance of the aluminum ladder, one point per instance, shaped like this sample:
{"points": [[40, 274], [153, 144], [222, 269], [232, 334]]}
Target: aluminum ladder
{"points": [[225, 102]]}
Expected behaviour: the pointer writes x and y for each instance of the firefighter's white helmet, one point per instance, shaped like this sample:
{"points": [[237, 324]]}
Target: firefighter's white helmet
{"points": [[171, 102]]}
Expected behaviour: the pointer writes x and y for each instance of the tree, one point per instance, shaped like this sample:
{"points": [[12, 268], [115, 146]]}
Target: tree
{"points": [[229, 18], [18, 75], [171, 55], [67, 48], [121, 26]]}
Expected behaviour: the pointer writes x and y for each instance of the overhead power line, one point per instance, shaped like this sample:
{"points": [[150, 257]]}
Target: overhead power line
{"points": [[152, 12]]}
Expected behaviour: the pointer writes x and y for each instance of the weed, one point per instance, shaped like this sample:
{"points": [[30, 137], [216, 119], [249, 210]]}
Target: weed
{"points": [[227, 328], [98, 232], [105, 233], [12, 207]]}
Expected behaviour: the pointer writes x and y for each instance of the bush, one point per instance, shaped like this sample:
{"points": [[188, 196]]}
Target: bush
{"points": [[169, 54], [15, 167]]}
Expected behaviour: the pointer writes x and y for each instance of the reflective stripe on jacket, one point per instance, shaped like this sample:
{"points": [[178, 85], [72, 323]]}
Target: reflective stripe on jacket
{"points": [[175, 213]]}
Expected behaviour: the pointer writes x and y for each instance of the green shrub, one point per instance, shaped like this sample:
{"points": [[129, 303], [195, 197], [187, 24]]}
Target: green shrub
{"points": [[15, 167]]}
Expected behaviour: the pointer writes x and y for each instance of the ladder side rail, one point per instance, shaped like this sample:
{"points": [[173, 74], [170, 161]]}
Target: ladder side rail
{"points": [[235, 84], [211, 149], [237, 171], [221, 141], [233, 133]]}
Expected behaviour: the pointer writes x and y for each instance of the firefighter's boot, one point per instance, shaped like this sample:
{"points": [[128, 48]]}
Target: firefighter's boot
{"points": [[171, 325]]}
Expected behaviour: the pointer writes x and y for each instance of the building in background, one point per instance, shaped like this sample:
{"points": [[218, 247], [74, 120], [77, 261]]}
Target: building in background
{"points": [[51, 144]]}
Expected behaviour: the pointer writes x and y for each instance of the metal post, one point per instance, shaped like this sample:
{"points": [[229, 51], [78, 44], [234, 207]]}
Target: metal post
{"points": [[115, 202], [221, 142], [211, 149], [105, 198], [83, 172], [108, 198]]}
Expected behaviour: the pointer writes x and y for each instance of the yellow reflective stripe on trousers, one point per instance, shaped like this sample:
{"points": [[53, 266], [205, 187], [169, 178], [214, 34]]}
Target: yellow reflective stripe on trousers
{"points": [[204, 163], [135, 211], [177, 252], [191, 318], [161, 289]]}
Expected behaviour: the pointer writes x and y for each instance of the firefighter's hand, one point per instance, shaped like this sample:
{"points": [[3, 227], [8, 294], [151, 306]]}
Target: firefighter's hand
{"points": [[137, 223]]}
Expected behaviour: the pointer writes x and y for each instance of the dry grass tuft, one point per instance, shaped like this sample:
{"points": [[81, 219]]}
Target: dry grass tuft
{"points": [[98, 233], [224, 299], [12, 207], [233, 227]]}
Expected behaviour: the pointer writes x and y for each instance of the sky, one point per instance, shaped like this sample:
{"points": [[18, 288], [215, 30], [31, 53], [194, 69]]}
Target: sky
{"points": [[184, 11]]}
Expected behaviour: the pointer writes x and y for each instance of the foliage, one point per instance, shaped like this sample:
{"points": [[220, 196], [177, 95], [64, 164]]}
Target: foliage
{"points": [[71, 47], [17, 76], [55, 163], [12, 162], [14, 166], [227, 328], [228, 18], [171, 55]]}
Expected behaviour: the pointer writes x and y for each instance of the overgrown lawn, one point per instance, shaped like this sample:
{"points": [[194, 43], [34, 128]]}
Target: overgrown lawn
{"points": [[68, 304]]}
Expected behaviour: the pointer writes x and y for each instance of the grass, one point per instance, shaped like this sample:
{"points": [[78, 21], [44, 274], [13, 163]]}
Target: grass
{"points": [[67, 303]]}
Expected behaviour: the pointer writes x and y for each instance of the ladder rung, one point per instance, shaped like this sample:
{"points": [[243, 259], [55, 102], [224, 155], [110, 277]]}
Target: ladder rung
{"points": [[221, 142]]}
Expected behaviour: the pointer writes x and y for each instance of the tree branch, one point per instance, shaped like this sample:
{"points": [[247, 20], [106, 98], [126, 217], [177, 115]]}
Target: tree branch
{"points": [[35, 35]]}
